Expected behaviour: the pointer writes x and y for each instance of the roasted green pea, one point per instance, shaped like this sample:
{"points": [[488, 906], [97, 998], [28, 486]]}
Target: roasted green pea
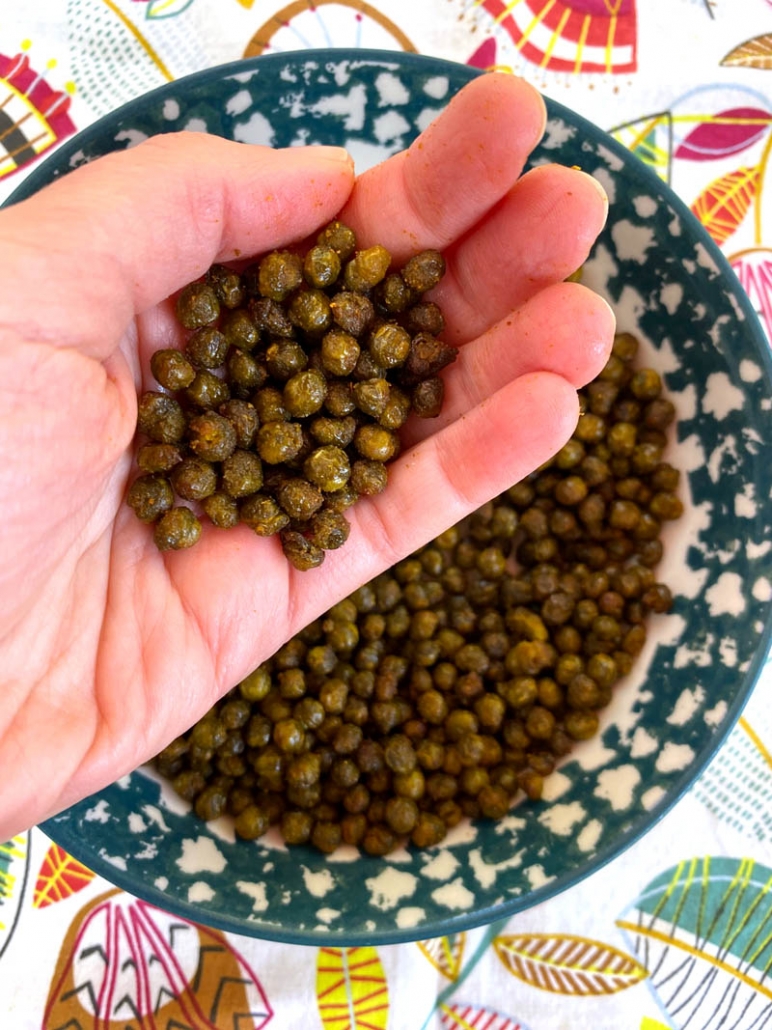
{"points": [[427, 397], [206, 348], [339, 238], [427, 357], [270, 317], [245, 372], [172, 369], [221, 509], [590, 428], [301, 553], [211, 437], [328, 530], [263, 515], [279, 441], [401, 814], [658, 414], [279, 273], [372, 396], [333, 431], [285, 358], [429, 831], [296, 827], [368, 368], [658, 598], [339, 400], [160, 417], [227, 285], [328, 468], [159, 457], [310, 311], [189, 784], [425, 317], [269, 405], [326, 835], [177, 528], [392, 294], [211, 803], [366, 268], [379, 840], [242, 474], [646, 384], [666, 506], [208, 391], [239, 329], [396, 409], [375, 443], [341, 500], [197, 305], [304, 393], [299, 498], [423, 271], [149, 497], [243, 417], [581, 725], [252, 822], [339, 352], [256, 686], [289, 736], [321, 266], [193, 479], [389, 344], [352, 312]]}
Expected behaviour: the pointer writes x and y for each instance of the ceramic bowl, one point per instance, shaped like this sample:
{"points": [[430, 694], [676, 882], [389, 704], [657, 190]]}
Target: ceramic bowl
{"points": [[670, 285]]}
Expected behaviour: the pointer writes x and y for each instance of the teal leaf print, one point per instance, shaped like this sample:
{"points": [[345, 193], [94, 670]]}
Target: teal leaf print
{"points": [[650, 138], [737, 786], [14, 870], [703, 929]]}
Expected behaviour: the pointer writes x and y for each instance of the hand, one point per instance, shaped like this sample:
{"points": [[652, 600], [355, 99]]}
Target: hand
{"points": [[109, 648]]}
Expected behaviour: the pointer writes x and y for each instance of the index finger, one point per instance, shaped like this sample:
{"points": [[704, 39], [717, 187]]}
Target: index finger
{"points": [[115, 237]]}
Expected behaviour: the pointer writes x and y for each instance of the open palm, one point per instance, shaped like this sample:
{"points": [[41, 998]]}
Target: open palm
{"points": [[109, 648]]}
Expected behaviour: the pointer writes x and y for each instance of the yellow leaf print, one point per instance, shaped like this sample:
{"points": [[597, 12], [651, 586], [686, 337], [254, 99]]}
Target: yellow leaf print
{"points": [[445, 954], [351, 989], [565, 964]]}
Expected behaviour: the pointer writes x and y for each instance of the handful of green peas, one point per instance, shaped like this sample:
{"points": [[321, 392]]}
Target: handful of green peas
{"points": [[284, 405]]}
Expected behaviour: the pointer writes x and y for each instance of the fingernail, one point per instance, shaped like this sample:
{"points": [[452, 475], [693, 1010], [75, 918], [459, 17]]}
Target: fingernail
{"points": [[597, 186], [337, 154]]}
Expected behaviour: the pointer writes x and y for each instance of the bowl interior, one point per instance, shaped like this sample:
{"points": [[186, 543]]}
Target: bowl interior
{"points": [[670, 285]]}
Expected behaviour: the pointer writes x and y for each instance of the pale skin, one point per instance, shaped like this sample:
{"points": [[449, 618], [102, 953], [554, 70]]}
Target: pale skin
{"points": [[108, 648]]}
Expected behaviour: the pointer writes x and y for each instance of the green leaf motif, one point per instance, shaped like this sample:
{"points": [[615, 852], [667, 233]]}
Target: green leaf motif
{"points": [[156, 9], [651, 139], [703, 929]]}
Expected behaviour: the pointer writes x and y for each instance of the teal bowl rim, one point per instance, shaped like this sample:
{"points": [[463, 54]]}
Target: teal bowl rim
{"points": [[727, 280]]}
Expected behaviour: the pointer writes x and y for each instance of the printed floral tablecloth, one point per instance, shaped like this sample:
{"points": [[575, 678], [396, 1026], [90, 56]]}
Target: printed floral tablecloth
{"points": [[687, 85]]}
